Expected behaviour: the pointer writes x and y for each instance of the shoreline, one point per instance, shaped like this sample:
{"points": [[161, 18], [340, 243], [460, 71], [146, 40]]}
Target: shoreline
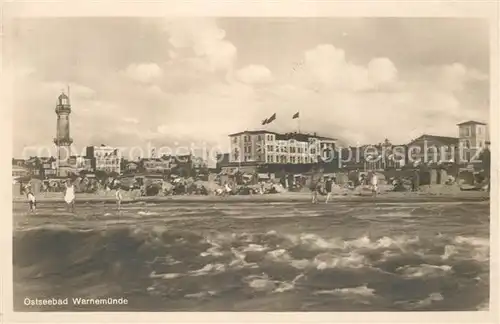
{"points": [[273, 198]]}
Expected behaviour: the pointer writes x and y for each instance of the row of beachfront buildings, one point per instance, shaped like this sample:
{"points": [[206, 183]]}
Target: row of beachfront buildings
{"points": [[297, 152], [105, 159], [97, 159], [252, 151], [266, 151]]}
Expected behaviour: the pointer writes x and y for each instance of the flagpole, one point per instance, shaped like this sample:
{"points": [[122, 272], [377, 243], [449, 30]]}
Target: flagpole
{"points": [[298, 123]]}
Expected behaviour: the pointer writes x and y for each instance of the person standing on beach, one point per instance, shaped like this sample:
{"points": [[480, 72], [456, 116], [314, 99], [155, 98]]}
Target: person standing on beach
{"points": [[486, 164], [119, 198], [31, 200], [415, 181], [69, 196], [328, 188], [227, 189], [374, 183], [314, 189]]}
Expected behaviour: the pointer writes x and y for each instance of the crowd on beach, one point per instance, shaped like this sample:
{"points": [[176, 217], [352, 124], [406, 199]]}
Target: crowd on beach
{"points": [[180, 186], [317, 183]]}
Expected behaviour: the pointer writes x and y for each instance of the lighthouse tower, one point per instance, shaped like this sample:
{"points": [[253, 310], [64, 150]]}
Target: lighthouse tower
{"points": [[63, 140]]}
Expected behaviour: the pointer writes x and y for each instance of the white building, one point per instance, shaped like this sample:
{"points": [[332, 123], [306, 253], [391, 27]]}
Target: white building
{"points": [[472, 136], [104, 158], [274, 148]]}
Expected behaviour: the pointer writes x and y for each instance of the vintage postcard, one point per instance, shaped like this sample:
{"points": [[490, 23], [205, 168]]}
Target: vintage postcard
{"points": [[328, 158]]}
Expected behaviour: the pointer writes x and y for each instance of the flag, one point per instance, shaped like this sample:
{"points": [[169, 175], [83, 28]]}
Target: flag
{"points": [[271, 119], [296, 115], [264, 121]]}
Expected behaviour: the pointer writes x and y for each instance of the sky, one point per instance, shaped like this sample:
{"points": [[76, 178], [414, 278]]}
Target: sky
{"points": [[165, 82]]}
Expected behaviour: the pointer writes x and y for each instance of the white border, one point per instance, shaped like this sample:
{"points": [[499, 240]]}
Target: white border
{"points": [[283, 8]]}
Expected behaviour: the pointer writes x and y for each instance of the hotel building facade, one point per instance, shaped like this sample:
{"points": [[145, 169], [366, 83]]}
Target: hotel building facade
{"points": [[265, 147], [104, 158]]}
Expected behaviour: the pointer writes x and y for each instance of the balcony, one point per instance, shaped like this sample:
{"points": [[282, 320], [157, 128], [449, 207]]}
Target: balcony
{"points": [[63, 141], [62, 109]]}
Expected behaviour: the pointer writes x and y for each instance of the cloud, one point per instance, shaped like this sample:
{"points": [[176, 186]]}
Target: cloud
{"points": [[382, 70], [454, 77], [326, 67], [254, 74], [190, 91], [131, 120], [205, 39], [144, 72]]}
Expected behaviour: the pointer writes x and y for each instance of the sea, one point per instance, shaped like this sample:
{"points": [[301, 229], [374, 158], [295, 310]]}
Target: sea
{"points": [[247, 256]]}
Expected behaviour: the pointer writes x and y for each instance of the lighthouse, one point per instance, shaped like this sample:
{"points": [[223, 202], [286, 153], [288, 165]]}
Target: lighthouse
{"points": [[63, 140]]}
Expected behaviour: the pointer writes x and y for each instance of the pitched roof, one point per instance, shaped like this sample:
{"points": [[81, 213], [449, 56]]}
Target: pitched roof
{"points": [[63, 96], [326, 138], [253, 132], [471, 122], [443, 139], [285, 136]]}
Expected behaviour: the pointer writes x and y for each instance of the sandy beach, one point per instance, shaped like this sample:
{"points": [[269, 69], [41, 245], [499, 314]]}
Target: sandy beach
{"points": [[279, 197]]}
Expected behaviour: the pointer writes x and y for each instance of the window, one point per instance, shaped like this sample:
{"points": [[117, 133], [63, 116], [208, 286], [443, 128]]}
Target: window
{"points": [[479, 129], [259, 138], [466, 131]]}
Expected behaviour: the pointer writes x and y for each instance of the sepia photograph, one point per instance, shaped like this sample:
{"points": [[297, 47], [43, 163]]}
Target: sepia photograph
{"points": [[250, 164]]}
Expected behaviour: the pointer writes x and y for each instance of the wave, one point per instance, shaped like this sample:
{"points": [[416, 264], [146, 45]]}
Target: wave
{"points": [[359, 291], [423, 270], [404, 270]]}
